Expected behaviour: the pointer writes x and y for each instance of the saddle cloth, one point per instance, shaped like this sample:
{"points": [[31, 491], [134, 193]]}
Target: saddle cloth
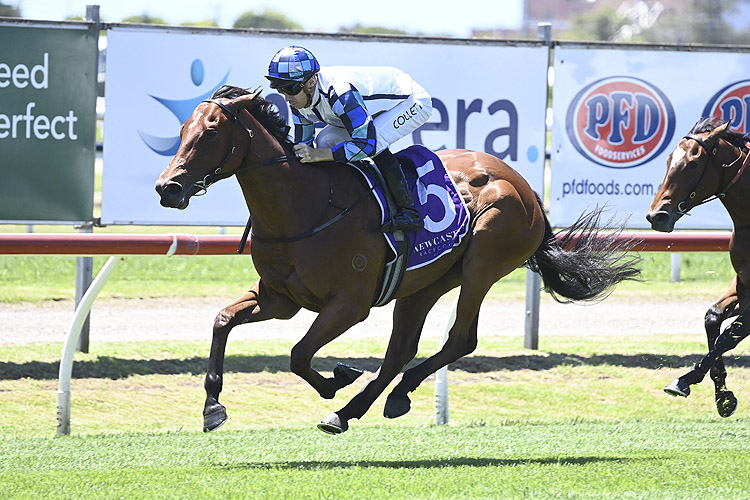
{"points": [[443, 211]]}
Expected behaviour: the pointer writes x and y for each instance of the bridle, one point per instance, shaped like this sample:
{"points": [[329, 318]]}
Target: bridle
{"points": [[711, 155], [216, 174]]}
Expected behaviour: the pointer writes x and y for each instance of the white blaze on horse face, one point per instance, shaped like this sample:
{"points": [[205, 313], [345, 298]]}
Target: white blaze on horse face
{"points": [[677, 155], [197, 121]]}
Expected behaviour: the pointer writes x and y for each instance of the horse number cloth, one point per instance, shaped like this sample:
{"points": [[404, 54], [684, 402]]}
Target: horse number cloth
{"points": [[445, 216]]}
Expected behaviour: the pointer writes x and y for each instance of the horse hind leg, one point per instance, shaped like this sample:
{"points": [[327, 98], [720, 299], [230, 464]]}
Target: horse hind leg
{"points": [[398, 403], [499, 245], [462, 340]]}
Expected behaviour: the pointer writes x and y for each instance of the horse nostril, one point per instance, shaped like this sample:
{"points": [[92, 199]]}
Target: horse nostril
{"points": [[171, 189], [171, 194], [659, 220]]}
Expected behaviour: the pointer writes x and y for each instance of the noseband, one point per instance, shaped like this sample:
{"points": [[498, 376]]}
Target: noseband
{"points": [[217, 174], [711, 155]]}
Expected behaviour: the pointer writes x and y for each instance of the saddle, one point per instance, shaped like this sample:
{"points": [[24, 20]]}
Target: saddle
{"points": [[442, 208]]}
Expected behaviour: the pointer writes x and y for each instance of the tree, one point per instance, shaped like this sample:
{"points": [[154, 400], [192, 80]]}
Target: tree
{"points": [[601, 24], [702, 22], [208, 23], [9, 11], [269, 19], [144, 19], [372, 30]]}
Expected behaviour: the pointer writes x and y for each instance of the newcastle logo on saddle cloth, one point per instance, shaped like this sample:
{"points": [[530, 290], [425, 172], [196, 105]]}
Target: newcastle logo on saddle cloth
{"points": [[445, 216]]}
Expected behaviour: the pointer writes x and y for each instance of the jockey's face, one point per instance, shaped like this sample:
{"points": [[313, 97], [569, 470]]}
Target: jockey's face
{"points": [[303, 97]]}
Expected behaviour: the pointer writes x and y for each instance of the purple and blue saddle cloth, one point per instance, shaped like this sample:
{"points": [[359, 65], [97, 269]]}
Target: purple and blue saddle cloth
{"points": [[443, 211]]}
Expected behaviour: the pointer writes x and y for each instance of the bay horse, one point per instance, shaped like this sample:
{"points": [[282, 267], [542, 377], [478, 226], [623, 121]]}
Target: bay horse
{"points": [[709, 163], [337, 271]]}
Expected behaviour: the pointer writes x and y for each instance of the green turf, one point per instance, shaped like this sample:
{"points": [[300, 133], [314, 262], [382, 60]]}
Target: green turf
{"points": [[38, 278], [577, 459], [581, 418]]}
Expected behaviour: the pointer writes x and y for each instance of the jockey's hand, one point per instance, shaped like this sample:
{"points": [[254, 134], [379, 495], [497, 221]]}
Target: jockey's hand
{"points": [[306, 154]]}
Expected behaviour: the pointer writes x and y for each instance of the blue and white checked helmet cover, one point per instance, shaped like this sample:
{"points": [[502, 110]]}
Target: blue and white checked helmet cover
{"points": [[293, 63]]}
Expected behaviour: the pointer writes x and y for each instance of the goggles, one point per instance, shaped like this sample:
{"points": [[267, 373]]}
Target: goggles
{"points": [[293, 89]]}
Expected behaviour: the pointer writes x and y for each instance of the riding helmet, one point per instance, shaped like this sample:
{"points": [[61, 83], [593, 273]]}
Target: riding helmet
{"points": [[292, 63]]}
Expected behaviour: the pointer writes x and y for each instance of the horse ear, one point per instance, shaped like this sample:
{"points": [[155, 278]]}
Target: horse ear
{"points": [[718, 131], [245, 100]]}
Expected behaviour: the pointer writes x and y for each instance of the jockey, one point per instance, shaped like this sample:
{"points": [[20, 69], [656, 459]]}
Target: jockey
{"points": [[365, 109]]}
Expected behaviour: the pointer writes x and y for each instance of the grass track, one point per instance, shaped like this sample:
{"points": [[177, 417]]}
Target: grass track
{"points": [[584, 418], [634, 459]]}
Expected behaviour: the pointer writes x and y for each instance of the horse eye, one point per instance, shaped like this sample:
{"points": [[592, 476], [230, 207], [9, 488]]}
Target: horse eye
{"points": [[211, 133]]}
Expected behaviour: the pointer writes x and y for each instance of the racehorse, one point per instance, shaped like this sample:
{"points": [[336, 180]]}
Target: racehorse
{"points": [[335, 269], [708, 164]]}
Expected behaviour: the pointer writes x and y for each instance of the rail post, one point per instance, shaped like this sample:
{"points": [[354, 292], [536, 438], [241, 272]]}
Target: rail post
{"points": [[84, 275], [71, 340], [441, 376], [534, 280]]}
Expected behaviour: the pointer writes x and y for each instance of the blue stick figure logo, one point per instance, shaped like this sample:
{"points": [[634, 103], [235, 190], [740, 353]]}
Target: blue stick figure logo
{"points": [[181, 109]]}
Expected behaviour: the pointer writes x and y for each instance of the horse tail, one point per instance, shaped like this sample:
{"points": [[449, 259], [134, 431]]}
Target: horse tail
{"points": [[583, 263]]}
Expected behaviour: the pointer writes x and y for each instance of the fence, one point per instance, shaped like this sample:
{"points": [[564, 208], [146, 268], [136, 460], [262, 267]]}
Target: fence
{"points": [[118, 245]]}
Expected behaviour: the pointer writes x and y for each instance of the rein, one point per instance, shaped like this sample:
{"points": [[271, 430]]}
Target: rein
{"points": [[310, 232], [218, 175], [711, 155]]}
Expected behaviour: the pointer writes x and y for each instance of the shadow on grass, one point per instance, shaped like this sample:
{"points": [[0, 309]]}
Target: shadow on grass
{"points": [[111, 367], [426, 464]]}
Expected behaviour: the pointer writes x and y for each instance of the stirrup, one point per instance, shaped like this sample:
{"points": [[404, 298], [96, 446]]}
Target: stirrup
{"points": [[401, 221]]}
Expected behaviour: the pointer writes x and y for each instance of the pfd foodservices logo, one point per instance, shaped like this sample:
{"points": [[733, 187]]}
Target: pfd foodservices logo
{"points": [[732, 104], [620, 122]]}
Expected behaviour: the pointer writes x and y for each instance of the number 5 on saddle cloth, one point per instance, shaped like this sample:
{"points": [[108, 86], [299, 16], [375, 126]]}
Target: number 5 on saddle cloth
{"points": [[442, 208]]}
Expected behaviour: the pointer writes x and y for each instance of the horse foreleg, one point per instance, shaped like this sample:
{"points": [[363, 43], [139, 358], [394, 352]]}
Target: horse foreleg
{"points": [[461, 342], [336, 317], [255, 305], [727, 306], [728, 340]]}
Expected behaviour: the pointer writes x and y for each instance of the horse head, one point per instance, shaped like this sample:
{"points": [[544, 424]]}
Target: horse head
{"points": [[695, 173], [214, 143]]}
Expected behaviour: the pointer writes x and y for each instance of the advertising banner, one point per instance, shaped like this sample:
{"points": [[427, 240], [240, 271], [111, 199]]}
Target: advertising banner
{"points": [[620, 112], [47, 123], [486, 96]]}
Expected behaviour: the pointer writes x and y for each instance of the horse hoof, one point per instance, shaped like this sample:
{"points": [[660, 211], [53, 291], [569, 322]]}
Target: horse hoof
{"points": [[333, 424], [344, 374], [214, 417], [678, 388], [394, 408], [726, 404]]}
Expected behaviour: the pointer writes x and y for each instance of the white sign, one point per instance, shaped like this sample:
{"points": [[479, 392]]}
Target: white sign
{"points": [[619, 113], [486, 97]]}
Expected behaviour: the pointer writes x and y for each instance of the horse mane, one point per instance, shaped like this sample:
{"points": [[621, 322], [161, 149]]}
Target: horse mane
{"points": [[707, 124], [265, 112]]}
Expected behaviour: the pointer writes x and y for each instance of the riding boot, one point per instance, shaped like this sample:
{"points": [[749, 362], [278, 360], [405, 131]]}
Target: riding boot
{"points": [[407, 217]]}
